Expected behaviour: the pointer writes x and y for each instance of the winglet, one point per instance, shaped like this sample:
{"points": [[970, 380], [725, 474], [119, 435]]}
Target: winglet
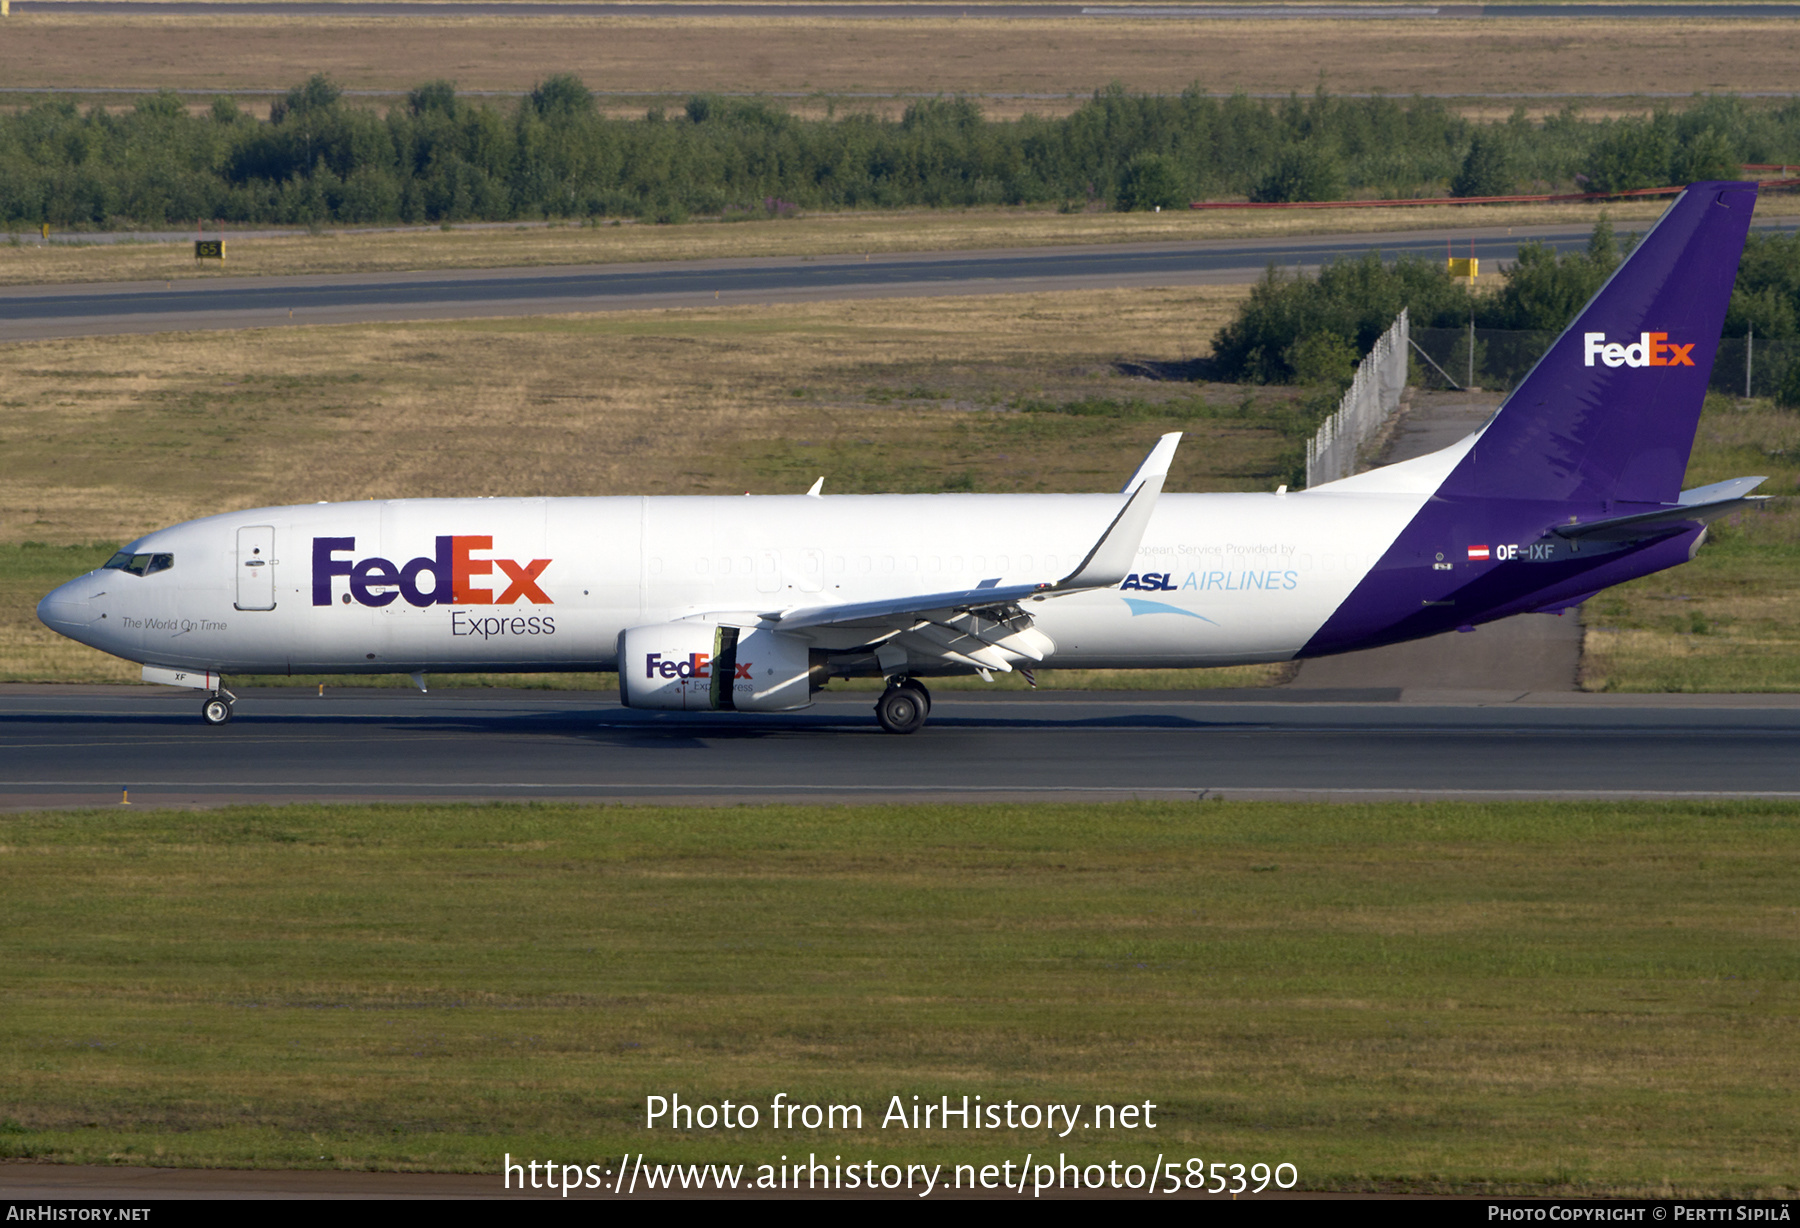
{"points": [[816, 488], [1109, 562], [1156, 465]]}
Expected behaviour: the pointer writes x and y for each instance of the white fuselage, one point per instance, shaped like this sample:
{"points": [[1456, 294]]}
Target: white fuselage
{"points": [[1219, 578]]}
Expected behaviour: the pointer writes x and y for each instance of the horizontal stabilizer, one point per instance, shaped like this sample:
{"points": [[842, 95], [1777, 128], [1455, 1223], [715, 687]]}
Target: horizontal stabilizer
{"points": [[1731, 488], [1702, 505]]}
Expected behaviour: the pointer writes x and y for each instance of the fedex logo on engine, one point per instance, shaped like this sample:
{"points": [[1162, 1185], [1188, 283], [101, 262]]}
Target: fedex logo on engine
{"points": [[1650, 350], [453, 570], [697, 665]]}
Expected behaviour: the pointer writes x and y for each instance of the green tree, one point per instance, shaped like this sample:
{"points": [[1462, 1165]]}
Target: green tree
{"points": [[1487, 169], [1303, 172], [1767, 295], [1544, 291], [1788, 395], [1631, 154], [434, 97], [164, 104], [1150, 181], [319, 94], [1276, 336], [1708, 155], [1323, 358], [562, 96]]}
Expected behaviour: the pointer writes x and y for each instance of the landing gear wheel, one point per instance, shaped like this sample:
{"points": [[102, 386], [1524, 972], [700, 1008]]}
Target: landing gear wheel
{"points": [[216, 710], [903, 709], [918, 686]]}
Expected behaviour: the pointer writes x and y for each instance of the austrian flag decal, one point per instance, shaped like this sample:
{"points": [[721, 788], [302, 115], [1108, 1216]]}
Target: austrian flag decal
{"points": [[1478, 554]]}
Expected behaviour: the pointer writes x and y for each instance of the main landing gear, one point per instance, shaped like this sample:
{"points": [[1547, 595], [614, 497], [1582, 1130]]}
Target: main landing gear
{"points": [[904, 706], [217, 708]]}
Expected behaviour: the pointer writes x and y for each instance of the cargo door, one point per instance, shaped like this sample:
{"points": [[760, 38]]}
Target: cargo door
{"points": [[256, 567]]}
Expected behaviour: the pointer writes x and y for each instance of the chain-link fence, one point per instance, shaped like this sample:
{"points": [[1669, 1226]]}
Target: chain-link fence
{"points": [[1497, 359], [1748, 367], [1373, 397]]}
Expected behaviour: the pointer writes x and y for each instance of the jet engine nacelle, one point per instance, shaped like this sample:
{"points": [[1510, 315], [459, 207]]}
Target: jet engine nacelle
{"points": [[693, 667]]}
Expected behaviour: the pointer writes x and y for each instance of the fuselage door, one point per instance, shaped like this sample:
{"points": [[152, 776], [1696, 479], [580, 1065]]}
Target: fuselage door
{"points": [[256, 567], [768, 571]]}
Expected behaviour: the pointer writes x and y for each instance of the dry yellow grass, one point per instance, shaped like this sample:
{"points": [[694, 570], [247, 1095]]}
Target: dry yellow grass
{"points": [[1730, 619], [103, 439], [1699, 628], [975, 55], [108, 437], [353, 251]]}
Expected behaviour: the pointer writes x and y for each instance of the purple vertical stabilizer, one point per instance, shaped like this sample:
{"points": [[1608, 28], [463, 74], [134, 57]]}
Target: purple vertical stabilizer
{"points": [[1609, 413], [1600, 429]]}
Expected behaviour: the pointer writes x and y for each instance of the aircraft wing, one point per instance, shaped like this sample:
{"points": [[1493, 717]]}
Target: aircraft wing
{"points": [[1704, 504], [1106, 564], [897, 610], [982, 627]]}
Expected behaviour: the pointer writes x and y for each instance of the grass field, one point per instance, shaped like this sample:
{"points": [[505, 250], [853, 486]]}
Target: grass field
{"points": [[110, 436], [1535, 998], [69, 259], [1729, 620], [864, 64]]}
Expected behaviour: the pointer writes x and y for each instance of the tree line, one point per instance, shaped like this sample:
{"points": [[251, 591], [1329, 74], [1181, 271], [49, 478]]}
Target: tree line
{"points": [[439, 157]]}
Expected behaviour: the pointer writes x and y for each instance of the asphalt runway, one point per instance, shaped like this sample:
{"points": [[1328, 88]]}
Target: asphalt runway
{"points": [[86, 309], [62, 746], [900, 12]]}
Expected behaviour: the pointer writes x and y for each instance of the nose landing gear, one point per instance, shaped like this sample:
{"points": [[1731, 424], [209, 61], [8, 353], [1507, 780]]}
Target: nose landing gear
{"points": [[904, 706], [217, 708]]}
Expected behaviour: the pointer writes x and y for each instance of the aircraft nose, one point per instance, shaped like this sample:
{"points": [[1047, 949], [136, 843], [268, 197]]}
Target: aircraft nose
{"points": [[68, 606]]}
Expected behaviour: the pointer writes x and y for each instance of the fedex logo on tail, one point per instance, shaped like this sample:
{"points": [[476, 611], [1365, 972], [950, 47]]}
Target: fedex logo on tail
{"points": [[1650, 350], [453, 570]]}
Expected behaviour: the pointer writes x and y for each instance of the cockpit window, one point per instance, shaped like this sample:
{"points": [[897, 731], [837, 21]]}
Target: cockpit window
{"points": [[139, 564]]}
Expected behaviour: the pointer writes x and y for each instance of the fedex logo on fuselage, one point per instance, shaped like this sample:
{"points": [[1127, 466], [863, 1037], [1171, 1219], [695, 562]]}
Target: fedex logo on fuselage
{"points": [[452, 568], [1650, 350]]}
